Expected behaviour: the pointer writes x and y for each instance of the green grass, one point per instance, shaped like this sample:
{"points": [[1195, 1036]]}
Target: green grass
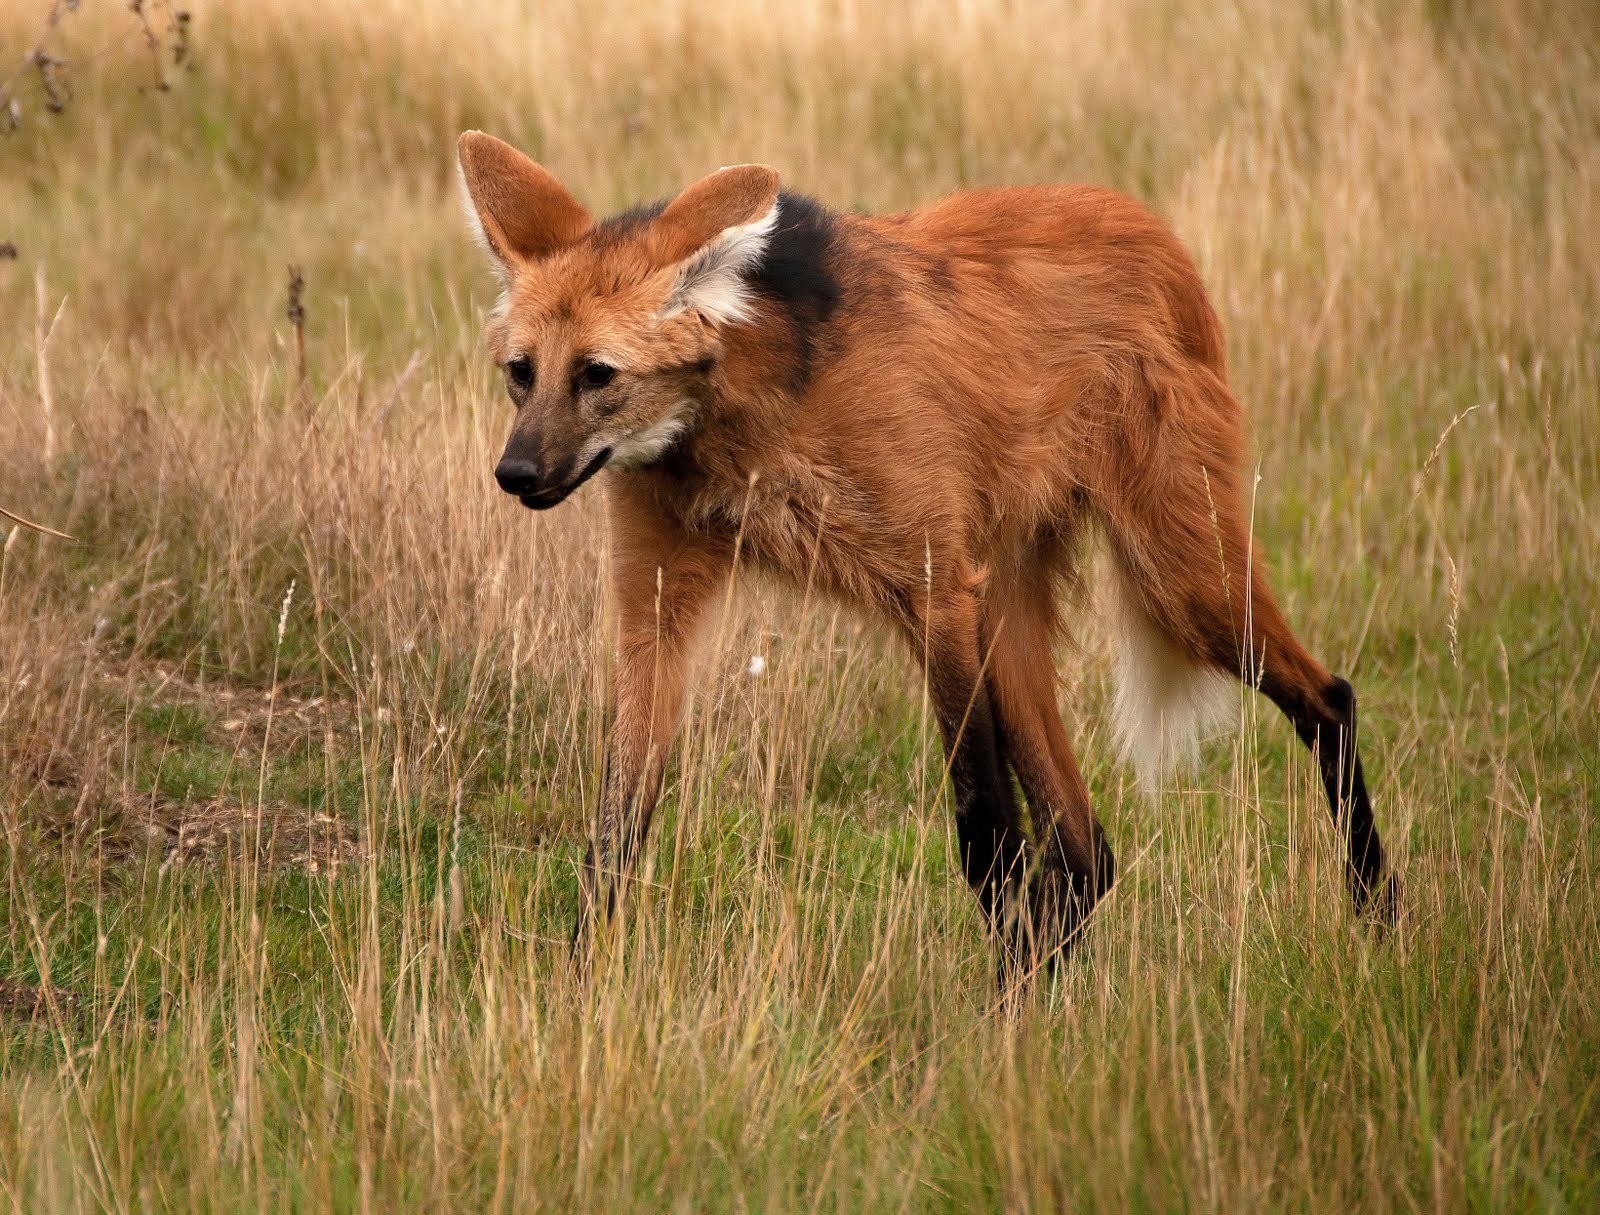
{"points": [[812, 1044]]}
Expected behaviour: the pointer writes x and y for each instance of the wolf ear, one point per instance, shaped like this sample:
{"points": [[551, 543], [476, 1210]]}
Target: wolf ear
{"points": [[518, 211], [712, 235]]}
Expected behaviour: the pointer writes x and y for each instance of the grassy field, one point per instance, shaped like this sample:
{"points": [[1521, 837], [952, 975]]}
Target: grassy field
{"points": [[296, 740]]}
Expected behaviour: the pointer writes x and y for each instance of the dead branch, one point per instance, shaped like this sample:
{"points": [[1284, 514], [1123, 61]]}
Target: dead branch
{"points": [[296, 312], [48, 67], [36, 527]]}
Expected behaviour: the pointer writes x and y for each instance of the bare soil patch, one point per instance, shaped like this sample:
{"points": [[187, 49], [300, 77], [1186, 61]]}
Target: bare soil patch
{"points": [[72, 796]]}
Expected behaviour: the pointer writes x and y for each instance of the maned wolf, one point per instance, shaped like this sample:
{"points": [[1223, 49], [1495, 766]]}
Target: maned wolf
{"points": [[927, 415]]}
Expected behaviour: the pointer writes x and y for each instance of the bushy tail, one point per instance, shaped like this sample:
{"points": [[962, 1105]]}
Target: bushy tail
{"points": [[1166, 702]]}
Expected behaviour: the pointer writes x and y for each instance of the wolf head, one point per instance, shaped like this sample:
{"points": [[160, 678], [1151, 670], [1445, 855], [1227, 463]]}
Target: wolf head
{"points": [[607, 332]]}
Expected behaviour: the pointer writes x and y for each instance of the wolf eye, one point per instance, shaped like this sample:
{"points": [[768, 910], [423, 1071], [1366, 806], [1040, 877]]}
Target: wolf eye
{"points": [[520, 372], [596, 375]]}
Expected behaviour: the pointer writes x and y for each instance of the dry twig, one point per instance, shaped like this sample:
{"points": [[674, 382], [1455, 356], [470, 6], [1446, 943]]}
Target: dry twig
{"points": [[162, 26], [39, 59], [35, 527], [296, 312], [155, 39]]}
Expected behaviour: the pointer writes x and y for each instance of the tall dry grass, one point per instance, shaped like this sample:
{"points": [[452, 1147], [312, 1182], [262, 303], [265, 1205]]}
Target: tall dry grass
{"points": [[297, 738]]}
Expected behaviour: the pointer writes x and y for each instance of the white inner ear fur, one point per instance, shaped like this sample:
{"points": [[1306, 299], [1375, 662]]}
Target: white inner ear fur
{"points": [[475, 226], [711, 280]]}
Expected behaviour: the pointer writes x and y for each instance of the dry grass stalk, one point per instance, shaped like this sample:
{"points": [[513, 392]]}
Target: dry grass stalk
{"points": [[41, 344], [32, 526]]}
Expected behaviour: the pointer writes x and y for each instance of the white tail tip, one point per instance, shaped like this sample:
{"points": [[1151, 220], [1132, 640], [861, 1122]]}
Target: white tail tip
{"points": [[1165, 702]]}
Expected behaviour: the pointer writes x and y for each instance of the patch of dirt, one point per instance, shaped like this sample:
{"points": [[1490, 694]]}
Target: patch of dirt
{"points": [[120, 824], [248, 718], [35, 761], [28, 1002], [34, 1004], [85, 803], [283, 837]]}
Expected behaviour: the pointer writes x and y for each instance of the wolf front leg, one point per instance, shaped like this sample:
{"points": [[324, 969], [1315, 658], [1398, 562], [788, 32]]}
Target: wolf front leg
{"points": [[662, 581], [946, 631]]}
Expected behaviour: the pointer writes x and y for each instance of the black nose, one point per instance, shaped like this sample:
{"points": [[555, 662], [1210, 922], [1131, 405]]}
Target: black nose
{"points": [[518, 477]]}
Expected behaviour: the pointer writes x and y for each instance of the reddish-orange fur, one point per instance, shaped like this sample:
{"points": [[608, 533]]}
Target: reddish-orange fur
{"points": [[996, 373]]}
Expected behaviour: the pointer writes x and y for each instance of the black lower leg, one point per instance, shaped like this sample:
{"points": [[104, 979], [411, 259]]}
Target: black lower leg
{"points": [[987, 826], [617, 839], [601, 887], [988, 823], [589, 894], [1329, 730], [1070, 872], [1066, 887]]}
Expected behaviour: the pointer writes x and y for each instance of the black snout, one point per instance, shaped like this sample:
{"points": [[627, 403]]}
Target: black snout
{"points": [[519, 478], [528, 482]]}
